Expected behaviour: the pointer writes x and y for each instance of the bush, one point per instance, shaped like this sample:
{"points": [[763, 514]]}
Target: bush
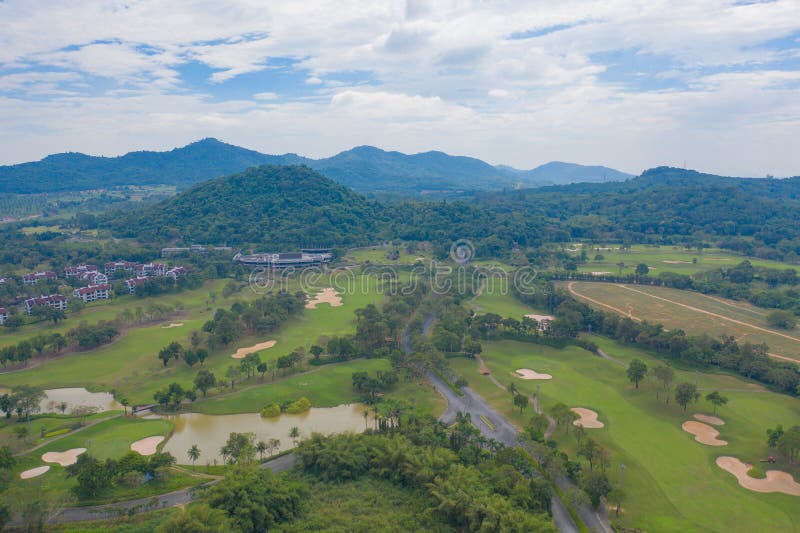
{"points": [[271, 411], [782, 320], [299, 406]]}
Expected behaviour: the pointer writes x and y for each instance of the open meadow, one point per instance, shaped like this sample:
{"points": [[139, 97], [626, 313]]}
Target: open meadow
{"points": [[663, 259], [692, 312], [671, 481]]}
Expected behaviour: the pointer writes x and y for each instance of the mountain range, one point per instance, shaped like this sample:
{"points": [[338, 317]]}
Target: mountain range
{"points": [[365, 169]]}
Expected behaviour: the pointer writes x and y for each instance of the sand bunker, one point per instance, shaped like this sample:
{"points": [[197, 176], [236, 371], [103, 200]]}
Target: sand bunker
{"points": [[540, 318], [776, 480], [676, 262], [703, 433], [588, 418], [241, 353], [69, 457], [708, 419], [527, 373], [173, 325], [147, 445], [34, 472], [325, 296]]}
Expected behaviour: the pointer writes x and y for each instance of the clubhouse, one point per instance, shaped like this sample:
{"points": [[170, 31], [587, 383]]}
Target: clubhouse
{"points": [[304, 258]]}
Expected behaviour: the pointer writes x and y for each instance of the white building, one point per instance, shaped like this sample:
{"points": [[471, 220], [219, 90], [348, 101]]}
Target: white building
{"points": [[56, 301], [92, 293]]}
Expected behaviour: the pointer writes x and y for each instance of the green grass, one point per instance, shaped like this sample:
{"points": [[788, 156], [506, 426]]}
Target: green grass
{"points": [[130, 365], [672, 482], [680, 259], [378, 256], [52, 423], [324, 386], [666, 306], [497, 298]]}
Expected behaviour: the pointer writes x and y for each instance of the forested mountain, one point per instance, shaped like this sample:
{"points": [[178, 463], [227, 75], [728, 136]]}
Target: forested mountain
{"points": [[365, 169], [284, 207], [290, 206]]}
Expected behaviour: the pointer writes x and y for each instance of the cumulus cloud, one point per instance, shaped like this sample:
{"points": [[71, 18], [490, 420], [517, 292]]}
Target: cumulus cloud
{"points": [[629, 83]]}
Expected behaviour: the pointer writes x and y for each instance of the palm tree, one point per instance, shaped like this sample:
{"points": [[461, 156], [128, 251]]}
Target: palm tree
{"points": [[294, 434], [194, 454], [512, 388], [273, 445], [366, 417], [261, 447]]}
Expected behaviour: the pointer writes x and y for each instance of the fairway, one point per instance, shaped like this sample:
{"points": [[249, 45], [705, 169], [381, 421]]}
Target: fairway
{"points": [[690, 311], [664, 259], [130, 366], [672, 483]]}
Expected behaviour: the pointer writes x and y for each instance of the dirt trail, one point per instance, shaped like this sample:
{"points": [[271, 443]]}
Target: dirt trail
{"points": [[686, 306]]}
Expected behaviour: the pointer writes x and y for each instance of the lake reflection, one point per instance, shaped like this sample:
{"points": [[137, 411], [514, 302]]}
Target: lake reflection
{"points": [[209, 432]]}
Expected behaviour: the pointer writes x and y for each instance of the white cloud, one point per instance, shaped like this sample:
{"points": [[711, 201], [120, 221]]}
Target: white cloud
{"points": [[515, 82]]}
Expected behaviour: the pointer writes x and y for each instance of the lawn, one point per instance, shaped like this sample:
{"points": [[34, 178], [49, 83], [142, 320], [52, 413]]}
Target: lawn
{"points": [[665, 259], [672, 482], [497, 298], [692, 312], [130, 365]]}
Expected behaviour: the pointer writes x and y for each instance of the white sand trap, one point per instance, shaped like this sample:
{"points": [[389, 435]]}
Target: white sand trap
{"points": [[34, 472], [539, 318], [241, 353], [588, 418], [703, 433], [776, 480], [173, 325], [676, 262], [147, 445], [69, 457], [527, 373], [708, 419], [325, 296], [600, 273]]}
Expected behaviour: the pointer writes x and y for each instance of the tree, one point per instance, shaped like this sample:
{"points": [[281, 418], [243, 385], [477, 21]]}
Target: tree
{"points": [[665, 375], [198, 518], [512, 389], [239, 448], [617, 496], [261, 448], [686, 393], [562, 414], [642, 269], [294, 434], [316, 351], [274, 445], [521, 401], [194, 454], [637, 370], [27, 399], [596, 485], [717, 399], [774, 436], [789, 442], [588, 450], [233, 373], [782, 319], [204, 380]]}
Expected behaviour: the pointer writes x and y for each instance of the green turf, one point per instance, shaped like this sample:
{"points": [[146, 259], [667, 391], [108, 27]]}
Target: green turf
{"points": [[497, 298], [679, 259], [325, 386], [671, 481], [131, 367], [692, 312]]}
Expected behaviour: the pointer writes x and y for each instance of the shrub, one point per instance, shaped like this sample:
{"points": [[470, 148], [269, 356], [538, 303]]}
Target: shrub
{"points": [[271, 411], [299, 406]]}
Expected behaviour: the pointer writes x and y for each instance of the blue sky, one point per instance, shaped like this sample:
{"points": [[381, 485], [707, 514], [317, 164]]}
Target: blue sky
{"points": [[625, 83]]}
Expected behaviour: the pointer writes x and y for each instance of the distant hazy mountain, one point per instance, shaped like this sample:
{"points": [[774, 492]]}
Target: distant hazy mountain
{"points": [[364, 168], [558, 173]]}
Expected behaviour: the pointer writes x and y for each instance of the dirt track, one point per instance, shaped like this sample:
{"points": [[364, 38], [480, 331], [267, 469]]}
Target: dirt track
{"points": [[570, 287]]}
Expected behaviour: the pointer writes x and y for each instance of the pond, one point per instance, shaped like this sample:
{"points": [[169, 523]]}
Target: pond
{"points": [[74, 397], [209, 432]]}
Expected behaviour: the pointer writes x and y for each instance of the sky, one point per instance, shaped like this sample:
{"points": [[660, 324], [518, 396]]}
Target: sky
{"points": [[710, 84]]}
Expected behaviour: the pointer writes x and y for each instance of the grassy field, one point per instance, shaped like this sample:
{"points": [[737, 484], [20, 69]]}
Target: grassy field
{"points": [[664, 259], [497, 298], [672, 482], [691, 311], [379, 255], [130, 365]]}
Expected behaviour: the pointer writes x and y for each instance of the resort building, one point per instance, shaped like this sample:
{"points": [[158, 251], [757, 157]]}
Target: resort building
{"points": [[174, 272], [34, 277], [3, 315], [93, 293], [75, 271], [94, 278], [132, 283], [150, 269], [56, 301], [318, 256], [115, 266]]}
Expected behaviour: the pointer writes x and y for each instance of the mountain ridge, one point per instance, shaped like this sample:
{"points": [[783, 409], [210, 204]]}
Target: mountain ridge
{"points": [[364, 168]]}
